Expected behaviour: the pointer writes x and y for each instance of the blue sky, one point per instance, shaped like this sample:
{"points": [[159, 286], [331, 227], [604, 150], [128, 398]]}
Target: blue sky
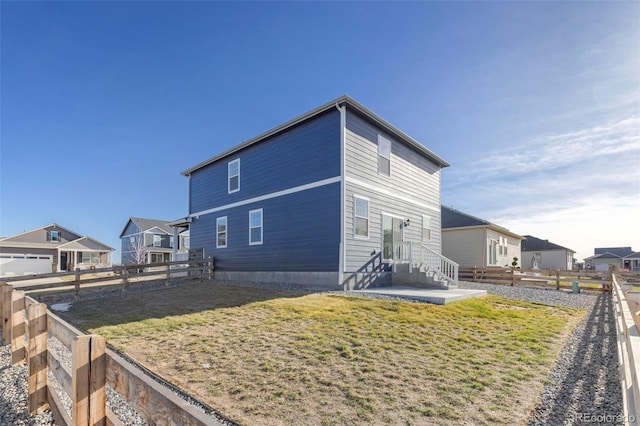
{"points": [[535, 104]]}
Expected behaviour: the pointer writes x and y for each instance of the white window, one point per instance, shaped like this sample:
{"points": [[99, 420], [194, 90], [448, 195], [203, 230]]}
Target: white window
{"points": [[255, 227], [90, 257], [234, 175], [361, 216], [157, 240], [171, 241], [132, 240], [426, 228], [493, 252], [221, 232], [384, 156], [54, 236]]}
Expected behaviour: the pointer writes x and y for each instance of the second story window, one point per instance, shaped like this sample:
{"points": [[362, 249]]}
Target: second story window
{"points": [[384, 155], [54, 236], [234, 175], [157, 240]]}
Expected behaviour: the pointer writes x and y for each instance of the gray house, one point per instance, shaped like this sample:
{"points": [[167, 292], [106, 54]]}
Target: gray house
{"points": [[151, 241], [51, 248], [335, 197], [544, 254], [603, 257]]}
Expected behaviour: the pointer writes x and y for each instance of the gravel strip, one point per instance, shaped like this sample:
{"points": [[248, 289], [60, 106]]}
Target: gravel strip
{"points": [[584, 386], [13, 394]]}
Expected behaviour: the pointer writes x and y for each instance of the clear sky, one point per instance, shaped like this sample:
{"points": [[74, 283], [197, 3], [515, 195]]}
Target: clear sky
{"points": [[535, 104]]}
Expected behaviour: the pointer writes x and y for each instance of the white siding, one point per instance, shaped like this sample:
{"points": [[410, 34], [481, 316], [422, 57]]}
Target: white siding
{"points": [[413, 189], [465, 246]]}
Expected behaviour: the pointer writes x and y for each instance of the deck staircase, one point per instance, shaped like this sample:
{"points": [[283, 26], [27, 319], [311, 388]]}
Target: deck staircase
{"points": [[417, 265]]}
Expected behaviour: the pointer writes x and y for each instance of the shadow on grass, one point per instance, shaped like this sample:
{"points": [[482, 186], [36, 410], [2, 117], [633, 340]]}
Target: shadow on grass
{"points": [[165, 302], [589, 384]]}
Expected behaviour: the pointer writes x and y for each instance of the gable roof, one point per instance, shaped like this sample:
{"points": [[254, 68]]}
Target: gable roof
{"points": [[79, 242], [635, 255], [452, 219], [536, 244], [618, 251], [341, 101], [86, 243], [146, 224], [53, 225], [606, 255]]}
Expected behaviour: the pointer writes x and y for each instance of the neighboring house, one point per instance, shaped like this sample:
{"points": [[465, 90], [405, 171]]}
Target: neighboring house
{"points": [[51, 249], [333, 197], [471, 241], [542, 254], [632, 262], [151, 241], [603, 257]]}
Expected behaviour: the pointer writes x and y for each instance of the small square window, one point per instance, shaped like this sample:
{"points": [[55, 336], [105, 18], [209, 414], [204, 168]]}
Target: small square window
{"points": [[54, 236]]}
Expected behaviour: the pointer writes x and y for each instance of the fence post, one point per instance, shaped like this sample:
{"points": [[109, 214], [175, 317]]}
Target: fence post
{"points": [[17, 327], [80, 372], [475, 271], [168, 274], [37, 363], [77, 284], [2, 286], [6, 313], [557, 279], [97, 381]]}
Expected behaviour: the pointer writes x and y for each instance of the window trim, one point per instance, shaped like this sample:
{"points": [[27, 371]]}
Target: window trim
{"points": [[355, 217], [256, 243], [159, 240], [381, 140], [226, 232], [229, 176], [428, 228]]}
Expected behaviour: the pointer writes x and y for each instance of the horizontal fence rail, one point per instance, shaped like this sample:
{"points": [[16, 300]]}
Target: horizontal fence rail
{"points": [[124, 276], [590, 281], [28, 326], [628, 355]]}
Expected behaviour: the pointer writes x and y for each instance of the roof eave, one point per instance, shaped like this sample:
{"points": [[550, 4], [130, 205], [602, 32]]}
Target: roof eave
{"points": [[343, 100]]}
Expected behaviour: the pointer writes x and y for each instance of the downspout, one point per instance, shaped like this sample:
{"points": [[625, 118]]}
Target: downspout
{"points": [[342, 250]]}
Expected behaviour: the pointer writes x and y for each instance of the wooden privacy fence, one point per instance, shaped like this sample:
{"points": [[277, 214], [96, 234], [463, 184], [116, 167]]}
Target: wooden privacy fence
{"points": [[123, 275], [535, 277], [27, 325]]}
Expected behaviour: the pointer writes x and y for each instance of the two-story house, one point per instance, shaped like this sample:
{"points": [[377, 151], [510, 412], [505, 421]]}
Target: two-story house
{"points": [[151, 241], [51, 248], [334, 197]]}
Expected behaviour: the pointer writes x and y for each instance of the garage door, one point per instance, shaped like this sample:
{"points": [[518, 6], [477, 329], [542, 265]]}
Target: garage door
{"points": [[21, 264]]}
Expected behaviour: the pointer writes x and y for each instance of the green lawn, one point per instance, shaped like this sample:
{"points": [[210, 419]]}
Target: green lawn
{"points": [[274, 358]]}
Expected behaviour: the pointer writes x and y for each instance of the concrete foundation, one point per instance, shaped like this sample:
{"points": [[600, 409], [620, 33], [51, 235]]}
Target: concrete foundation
{"points": [[323, 280]]}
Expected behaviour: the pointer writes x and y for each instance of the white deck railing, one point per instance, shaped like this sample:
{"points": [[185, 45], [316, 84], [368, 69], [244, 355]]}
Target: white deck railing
{"points": [[419, 255]]}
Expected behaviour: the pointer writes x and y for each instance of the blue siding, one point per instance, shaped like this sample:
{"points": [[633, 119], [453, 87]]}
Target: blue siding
{"points": [[301, 233], [301, 155]]}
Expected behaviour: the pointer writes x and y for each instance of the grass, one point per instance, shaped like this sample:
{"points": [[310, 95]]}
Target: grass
{"points": [[271, 358]]}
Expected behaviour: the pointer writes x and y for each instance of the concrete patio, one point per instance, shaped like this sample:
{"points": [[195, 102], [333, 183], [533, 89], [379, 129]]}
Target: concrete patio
{"points": [[437, 297]]}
